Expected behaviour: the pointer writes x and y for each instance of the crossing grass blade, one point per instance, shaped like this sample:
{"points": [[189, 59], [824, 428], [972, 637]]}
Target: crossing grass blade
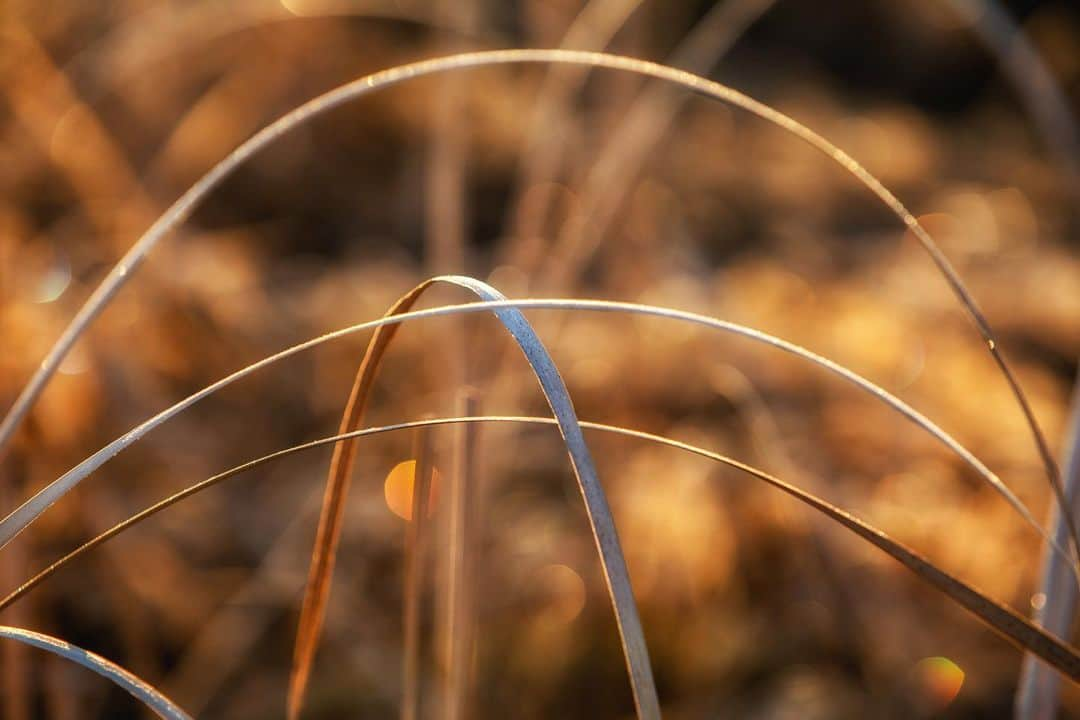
{"points": [[1012, 626], [18, 520], [602, 524]]}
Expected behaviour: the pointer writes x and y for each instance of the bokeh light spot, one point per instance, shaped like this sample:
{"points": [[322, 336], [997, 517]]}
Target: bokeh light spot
{"points": [[565, 593], [940, 679], [398, 489], [53, 284]]}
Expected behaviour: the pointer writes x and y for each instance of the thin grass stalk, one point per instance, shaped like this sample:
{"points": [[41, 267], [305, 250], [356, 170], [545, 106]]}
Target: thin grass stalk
{"points": [[821, 565], [182, 208], [445, 232], [16, 678], [61, 703], [1038, 694], [143, 691], [18, 520], [231, 635], [601, 523], [162, 33], [446, 169], [1009, 624], [446, 215], [331, 517], [1040, 93], [323, 558], [100, 169], [457, 619], [618, 163], [417, 543], [551, 123]]}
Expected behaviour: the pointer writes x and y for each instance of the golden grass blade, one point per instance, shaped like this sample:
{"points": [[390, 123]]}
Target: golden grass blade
{"points": [[18, 520], [616, 575], [1009, 624], [143, 691], [316, 594]]}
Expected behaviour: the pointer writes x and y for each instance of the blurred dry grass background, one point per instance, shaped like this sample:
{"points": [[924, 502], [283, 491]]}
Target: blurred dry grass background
{"points": [[752, 607]]}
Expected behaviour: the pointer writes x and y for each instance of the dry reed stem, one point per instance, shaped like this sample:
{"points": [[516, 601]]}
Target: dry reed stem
{"points": [[446, 225], [49, 107], [60, 702], [317, 592], [417, 543], [461, 561]]}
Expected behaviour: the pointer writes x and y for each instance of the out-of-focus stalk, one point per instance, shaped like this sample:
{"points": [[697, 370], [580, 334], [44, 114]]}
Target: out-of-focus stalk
{"points": [[416, 546], [1037, 697], [457, 612], [15, 678]]}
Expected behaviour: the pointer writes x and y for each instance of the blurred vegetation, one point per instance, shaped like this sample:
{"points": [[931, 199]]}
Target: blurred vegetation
{"points": [[753, 607]]}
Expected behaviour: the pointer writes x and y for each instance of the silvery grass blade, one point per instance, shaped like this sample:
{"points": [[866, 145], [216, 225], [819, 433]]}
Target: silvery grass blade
{"points": [[182, 208], [1037, 697], [1009, 624], [143, 691], [601, 523], [18, 520]]}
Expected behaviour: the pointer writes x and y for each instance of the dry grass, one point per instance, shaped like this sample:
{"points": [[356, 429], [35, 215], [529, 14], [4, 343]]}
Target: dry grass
{"points": [[453, 651]]}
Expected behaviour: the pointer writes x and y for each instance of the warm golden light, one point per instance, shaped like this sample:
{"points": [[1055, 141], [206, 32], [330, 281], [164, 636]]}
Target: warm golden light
{"points": [[398, 489], [851, 293], [565, 591], [940, 679]]}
